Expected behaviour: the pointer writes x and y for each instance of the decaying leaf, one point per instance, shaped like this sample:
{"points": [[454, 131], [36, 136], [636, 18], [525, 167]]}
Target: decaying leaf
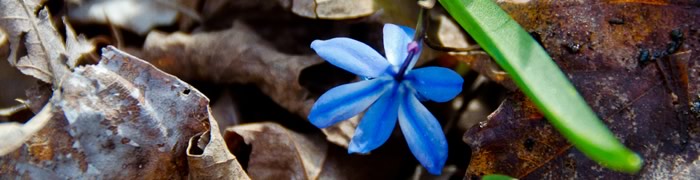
{"points": [[450, 34], [76, 46], [225, 111], [209, 158], [15, 134], [635, 63], [331, 9], [481, 62], [279, 153], [15, 28], [42, 42], [3, 38], [241, 57], [276, 152], [120, 119], [136, 15], [45, 48]]}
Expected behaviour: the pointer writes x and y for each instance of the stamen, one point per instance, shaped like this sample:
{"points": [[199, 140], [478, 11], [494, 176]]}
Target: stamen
{"points": [[414, 46], [413, 49]]}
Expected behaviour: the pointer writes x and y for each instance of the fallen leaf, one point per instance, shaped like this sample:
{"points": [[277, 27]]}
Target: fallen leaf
{"points": [[279, 153], [15, 134], [3, 39], [332, 9], [135, 15], [42, 41], [121, 119], [449, 34], [275, 152], [76, 46], [208, 157], [225, 111], [644, 99], [241, 58]]}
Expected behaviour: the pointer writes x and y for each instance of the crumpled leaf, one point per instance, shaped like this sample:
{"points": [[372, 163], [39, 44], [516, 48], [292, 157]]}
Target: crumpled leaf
{"points": [[119, 119], [209, 158], [644, 99], [135, 15], [3, 38], [331, 9], [449, 34], [42, 42], [242, 57], [45, 49], [76, 46], [279, 153], [225, 111], [15, 134]]}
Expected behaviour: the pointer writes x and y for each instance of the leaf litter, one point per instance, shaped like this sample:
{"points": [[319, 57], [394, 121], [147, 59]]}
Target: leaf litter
{"points": [[124, 118]]}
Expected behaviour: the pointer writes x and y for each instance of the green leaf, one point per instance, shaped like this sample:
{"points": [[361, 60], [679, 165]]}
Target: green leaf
{"points": [[497, 177], [541, 80]]}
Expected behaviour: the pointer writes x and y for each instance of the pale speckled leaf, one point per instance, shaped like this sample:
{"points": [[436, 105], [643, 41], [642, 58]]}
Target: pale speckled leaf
{"points": [[119, 119]]}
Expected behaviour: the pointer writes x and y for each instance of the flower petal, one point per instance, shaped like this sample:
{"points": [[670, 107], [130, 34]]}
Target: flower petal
{"points": [[422, 132], [377, 124], [351, 55], [396, 39], [435, 83], [345, 101]]}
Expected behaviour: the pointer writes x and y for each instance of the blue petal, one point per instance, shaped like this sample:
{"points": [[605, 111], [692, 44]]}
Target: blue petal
{"points": [[351, 55], [435, 83], [377, 124], [396, 39], [346, 101], [422, 132]]}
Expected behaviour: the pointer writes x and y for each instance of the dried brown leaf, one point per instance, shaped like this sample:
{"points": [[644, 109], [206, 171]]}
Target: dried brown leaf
{"points": [[274, 152], [45, 48], [333, 9], [237, 55], [140, 17], [3, 40], [279, 153], [225, 111], [76, 46], [15, 134], [119, 119], [644, 99], [209, 158], [17, 23]]}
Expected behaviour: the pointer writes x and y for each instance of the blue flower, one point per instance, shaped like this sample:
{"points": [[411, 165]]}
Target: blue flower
{"points": [[387, 95]]}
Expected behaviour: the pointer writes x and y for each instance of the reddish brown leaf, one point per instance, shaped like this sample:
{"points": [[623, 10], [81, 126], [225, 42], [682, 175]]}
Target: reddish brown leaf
{"points": [[635, 62]]}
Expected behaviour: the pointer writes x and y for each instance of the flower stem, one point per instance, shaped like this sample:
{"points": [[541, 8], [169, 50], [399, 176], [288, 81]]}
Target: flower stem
{"points": [[415, 46]]}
